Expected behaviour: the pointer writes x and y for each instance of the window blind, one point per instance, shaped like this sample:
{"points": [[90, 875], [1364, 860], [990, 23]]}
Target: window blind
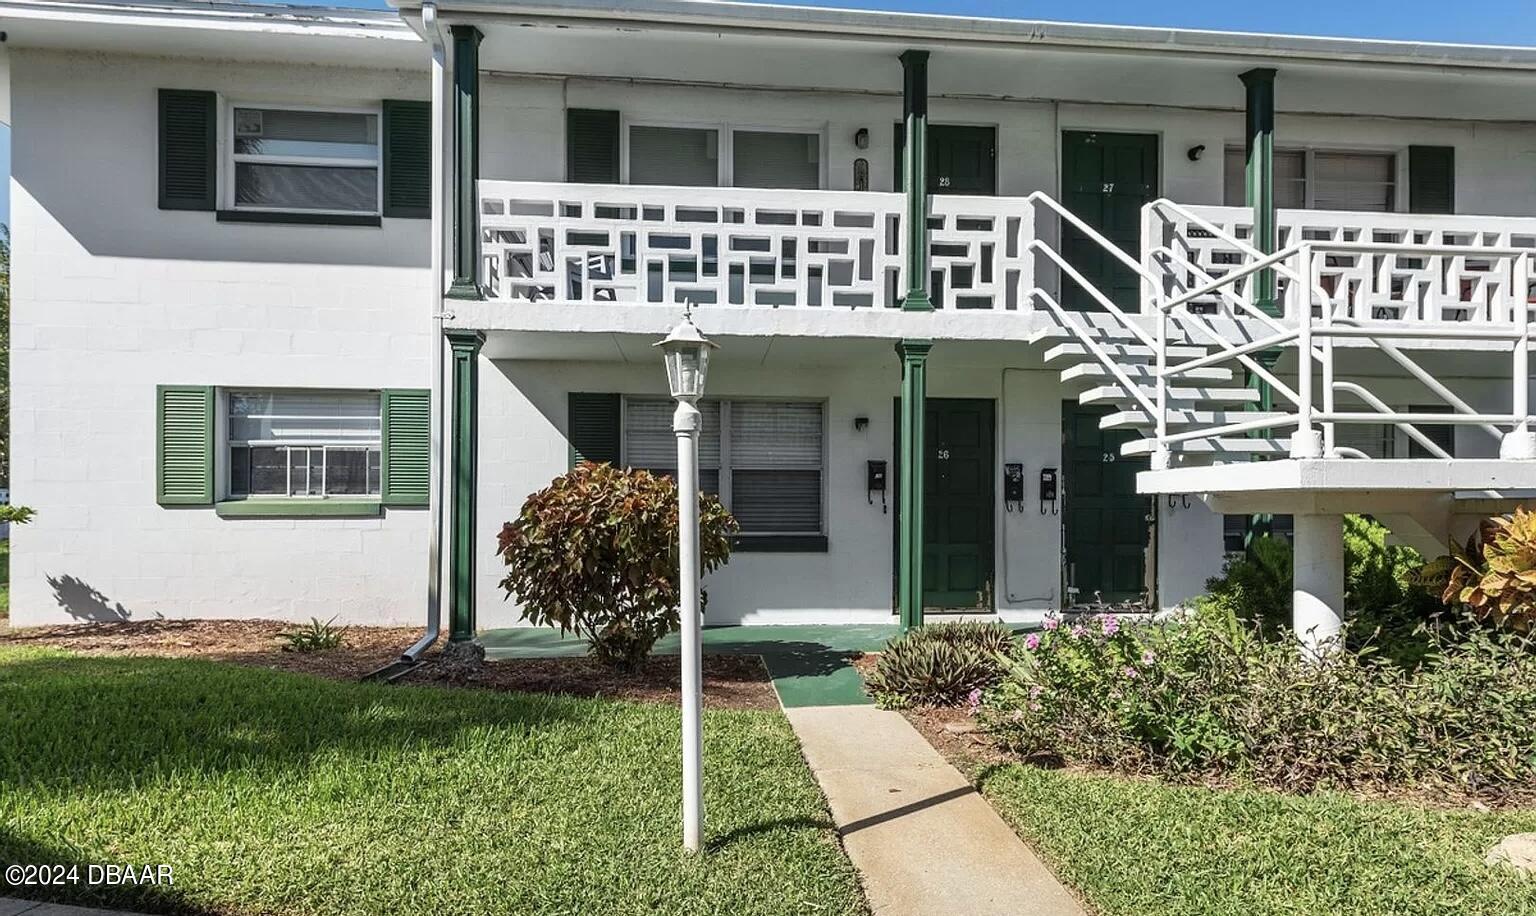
{"points": [[775, 460], [772, 159], [1355, 181], [1290, 179], [686, 156], [342, 418]]}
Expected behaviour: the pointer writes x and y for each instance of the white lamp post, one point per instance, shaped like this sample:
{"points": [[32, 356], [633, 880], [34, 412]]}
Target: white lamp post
{"points": [[686, 353]]}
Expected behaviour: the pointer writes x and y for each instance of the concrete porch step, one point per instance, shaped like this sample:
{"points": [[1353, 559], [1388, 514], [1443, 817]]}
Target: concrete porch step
{"points": [[1129, 352], [1093, 372], [1140, 419], [1219, 446], [1103, 394]]}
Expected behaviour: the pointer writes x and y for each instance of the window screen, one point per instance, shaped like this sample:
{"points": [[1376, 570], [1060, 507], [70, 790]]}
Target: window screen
{"points": [[1355, 181], [1376, 440], [649, 442], [305, 160], [776, 449], [767, 467], [764, 159], [687, 156], [304, 443]]}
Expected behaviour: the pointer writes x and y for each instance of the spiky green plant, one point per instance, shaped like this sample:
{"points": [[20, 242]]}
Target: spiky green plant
{"points": [[940, 664], [316, 636]]}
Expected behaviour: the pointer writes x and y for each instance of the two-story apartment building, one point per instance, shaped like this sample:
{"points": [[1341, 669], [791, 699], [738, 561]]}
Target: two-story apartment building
{"points": [[244, 235]]}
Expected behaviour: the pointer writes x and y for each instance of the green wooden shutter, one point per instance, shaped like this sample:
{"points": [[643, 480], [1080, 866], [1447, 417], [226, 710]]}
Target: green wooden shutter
{"points": [[592, 146], [593, 427], [407, 464], [184, 445], [407, 159], [1432, 179], [188, 149]]}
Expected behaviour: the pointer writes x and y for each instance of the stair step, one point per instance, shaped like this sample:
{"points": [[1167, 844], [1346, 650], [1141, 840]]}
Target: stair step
{"points": [[1100, 334], [1221, 445], [1095, 372], [1176, 395], [1126, 351], [1140, 419]]}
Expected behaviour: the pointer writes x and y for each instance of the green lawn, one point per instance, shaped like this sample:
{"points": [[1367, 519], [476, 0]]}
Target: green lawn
{"points": [[5, 583], [1137, 848], [274, 793]]}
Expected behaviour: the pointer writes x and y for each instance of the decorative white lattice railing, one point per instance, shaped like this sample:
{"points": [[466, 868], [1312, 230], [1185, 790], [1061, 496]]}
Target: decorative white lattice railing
{"points": [[1372, 266], [571, 243]]}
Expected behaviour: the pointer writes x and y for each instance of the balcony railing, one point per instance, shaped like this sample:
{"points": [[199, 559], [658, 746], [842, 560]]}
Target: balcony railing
{"points": [[571, 243], [1371, 266]]}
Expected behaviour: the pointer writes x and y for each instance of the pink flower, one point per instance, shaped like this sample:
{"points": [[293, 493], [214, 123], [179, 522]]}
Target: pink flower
{"points": [[1035, 691], [1110, 624], [1131, 672], [1051, 622], [1079, 630], [974, 700], [1032, 641], [1148, 657]]}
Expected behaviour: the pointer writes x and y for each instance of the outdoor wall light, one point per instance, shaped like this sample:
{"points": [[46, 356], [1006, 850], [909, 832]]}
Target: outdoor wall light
{"points": [[1195, 152], [861, 138], [860, 423], [686, 353]]}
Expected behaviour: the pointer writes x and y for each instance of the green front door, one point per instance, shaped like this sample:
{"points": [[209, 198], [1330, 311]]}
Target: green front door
{"points": [[957, 504], [961, 159], [1106, 523], [1106, 178]]}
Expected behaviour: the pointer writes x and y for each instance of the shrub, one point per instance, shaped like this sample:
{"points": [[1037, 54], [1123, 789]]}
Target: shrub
{"points": [[1494, 576], [318, 636], [16, 515], [595, 552], [939, 664], [1209, 695]]}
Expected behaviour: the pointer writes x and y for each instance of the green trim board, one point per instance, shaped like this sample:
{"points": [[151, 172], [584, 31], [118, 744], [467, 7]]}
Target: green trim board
{"points": [[466, 163], [361, 220], [592, 426], [184, 421], [298, 508], [592, 146], [1259, 108], [909, 492], [914, 104], [188, 166], [407, 155]]}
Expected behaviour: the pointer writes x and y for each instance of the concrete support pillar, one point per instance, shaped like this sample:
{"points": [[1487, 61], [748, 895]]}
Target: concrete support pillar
{"points": [[465, 346], [1318, 589], [914, 177], [466, 163], [909, 499]]}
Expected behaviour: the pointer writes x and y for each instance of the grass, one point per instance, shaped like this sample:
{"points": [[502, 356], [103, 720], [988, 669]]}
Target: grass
{"points": [[1133, 847], [5, 583], [276, 793]]}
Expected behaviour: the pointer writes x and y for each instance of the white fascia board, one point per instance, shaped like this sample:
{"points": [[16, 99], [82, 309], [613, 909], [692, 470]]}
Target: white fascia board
{"points": [[932, 30]]}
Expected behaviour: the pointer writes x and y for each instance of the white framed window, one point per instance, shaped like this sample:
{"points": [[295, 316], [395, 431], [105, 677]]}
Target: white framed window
{"points": [[1316, 179], [723, 155], [303, 444], [765, 458], [297, 159]]}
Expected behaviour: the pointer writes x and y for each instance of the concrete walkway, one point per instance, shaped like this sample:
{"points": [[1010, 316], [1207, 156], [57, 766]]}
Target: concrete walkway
{"points": [[924, 841]]}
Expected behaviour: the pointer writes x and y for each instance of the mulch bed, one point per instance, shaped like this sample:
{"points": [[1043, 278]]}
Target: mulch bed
{"points": [[730, 681]]}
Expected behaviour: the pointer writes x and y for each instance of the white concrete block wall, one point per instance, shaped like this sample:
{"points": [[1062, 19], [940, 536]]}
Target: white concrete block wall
{"points": [[113, 296]]}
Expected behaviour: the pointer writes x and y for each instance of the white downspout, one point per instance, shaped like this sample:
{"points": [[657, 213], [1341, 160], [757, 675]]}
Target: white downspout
{"points": [[434, 34]]}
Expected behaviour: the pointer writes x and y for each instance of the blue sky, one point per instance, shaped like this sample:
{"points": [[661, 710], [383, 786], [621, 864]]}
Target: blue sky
{"points": [[1476, 21]]}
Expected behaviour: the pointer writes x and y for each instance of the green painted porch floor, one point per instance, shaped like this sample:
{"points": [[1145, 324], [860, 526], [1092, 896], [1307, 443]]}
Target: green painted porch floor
{"points": [[809, 664]]}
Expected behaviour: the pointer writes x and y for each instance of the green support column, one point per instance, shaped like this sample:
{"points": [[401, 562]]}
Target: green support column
{"points": [[466, 162], [1259, 86], [909, 501], [914, 177], [465, 347], [1260, 137]]}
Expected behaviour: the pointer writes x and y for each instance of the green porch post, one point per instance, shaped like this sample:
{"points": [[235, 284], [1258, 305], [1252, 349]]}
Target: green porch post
{"points": [[465, 347], [1259, 86], [466, 161], [914, 177], [909, 501], [1260, 194]]}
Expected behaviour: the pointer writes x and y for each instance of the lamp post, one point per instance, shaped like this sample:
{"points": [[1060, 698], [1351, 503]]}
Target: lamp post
{"points": [[686, 353]]}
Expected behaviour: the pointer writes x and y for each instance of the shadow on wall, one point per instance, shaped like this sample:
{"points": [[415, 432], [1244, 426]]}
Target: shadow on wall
{"points": [[84, 603]]}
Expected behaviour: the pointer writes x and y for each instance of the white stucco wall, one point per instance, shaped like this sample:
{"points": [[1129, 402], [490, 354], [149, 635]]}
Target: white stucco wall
{"points": [[113, 296]]}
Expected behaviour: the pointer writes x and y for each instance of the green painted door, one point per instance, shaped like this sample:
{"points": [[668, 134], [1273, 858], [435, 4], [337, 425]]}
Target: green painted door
{"points": [[1106, 523], [1106, 178], [958, 504], [961, 159]]}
